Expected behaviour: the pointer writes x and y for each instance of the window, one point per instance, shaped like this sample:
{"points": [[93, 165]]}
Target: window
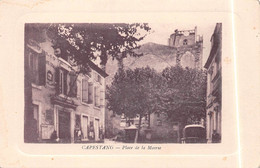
{"points": [[62, 81], [35, 112], [99, 80], [37, 64], [102, 97], [66, 82], [97, 96], [85, 90], [79, 90], [95, 76], [185, 42], [73, 84], [89, 73], [35, 117], [90, 93]]}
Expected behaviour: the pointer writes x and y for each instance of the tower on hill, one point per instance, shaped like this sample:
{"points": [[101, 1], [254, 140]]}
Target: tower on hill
{"points": [[189, 47]]}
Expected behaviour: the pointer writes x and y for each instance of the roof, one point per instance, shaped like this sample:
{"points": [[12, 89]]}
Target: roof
{"points": [[97, 69], [216, 41], [131, 127], [194, 125]]}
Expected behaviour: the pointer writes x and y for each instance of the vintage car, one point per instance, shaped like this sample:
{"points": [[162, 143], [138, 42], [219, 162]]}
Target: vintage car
{"points": [[194, 134]]}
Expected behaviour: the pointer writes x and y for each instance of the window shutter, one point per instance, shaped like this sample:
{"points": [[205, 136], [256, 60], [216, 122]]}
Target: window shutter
{"points": [[98, 96], [42, 68], [99, 79], [34, 63], [79, 88], [85, 90], [57, 80], [95, 95], [90, 93], [65, 82], [31, 61], [73, 84], [102, 97]]}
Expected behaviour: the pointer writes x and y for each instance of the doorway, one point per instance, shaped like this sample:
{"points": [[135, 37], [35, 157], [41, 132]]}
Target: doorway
{"points": [[96, 126], [64, 126], [85, 127]]}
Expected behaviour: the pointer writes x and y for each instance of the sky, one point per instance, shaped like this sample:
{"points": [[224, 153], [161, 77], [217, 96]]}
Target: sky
{"points": [[162, 31]]}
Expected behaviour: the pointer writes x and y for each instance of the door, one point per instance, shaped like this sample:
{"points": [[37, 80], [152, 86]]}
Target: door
{"points": [[35, 123], [96, 126], [85, 127], [64, 126]]}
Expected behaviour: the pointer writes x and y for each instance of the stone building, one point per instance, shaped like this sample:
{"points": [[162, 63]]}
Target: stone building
{"points": [[58, 101], [189, 47], [214, 82]]}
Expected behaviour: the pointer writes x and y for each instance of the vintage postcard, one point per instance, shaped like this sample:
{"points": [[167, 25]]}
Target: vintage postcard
{"points": [[120, 89]]}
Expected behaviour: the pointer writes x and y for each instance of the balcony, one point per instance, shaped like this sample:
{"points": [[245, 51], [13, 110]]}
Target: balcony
{"points": [[63, 101]]}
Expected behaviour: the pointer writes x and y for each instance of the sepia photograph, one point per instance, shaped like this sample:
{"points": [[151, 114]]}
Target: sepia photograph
{"points": [[122, 83], [129, 83]]}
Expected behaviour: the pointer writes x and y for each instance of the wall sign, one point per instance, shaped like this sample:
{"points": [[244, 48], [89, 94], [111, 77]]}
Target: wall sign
{"points": [[49, 76]]}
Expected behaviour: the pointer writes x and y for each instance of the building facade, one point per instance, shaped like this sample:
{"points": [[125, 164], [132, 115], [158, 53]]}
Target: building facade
{"points": [[214, 85], [61, 105], [189, 47]]}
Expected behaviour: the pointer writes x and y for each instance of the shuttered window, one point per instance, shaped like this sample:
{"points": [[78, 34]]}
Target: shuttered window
{"points": [[79, 89], [62, 81], [37, 63], [84, 90], [97, 96], [73, 84], [57, 80], [42, 68], [99, 79], [102, 97], [90, 93]]}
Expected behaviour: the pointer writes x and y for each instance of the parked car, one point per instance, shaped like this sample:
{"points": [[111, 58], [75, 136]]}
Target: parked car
{"points": [[194, 134]]}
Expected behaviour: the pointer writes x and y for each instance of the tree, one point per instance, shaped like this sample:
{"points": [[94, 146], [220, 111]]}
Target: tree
{"points": [[185, 98], [134, 93], [87, 42]]}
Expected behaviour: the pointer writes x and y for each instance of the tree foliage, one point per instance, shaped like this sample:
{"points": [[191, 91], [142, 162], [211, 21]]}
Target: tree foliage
{"points": [[134, 92], [185, 98], [179, 93], [86, 42]]}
